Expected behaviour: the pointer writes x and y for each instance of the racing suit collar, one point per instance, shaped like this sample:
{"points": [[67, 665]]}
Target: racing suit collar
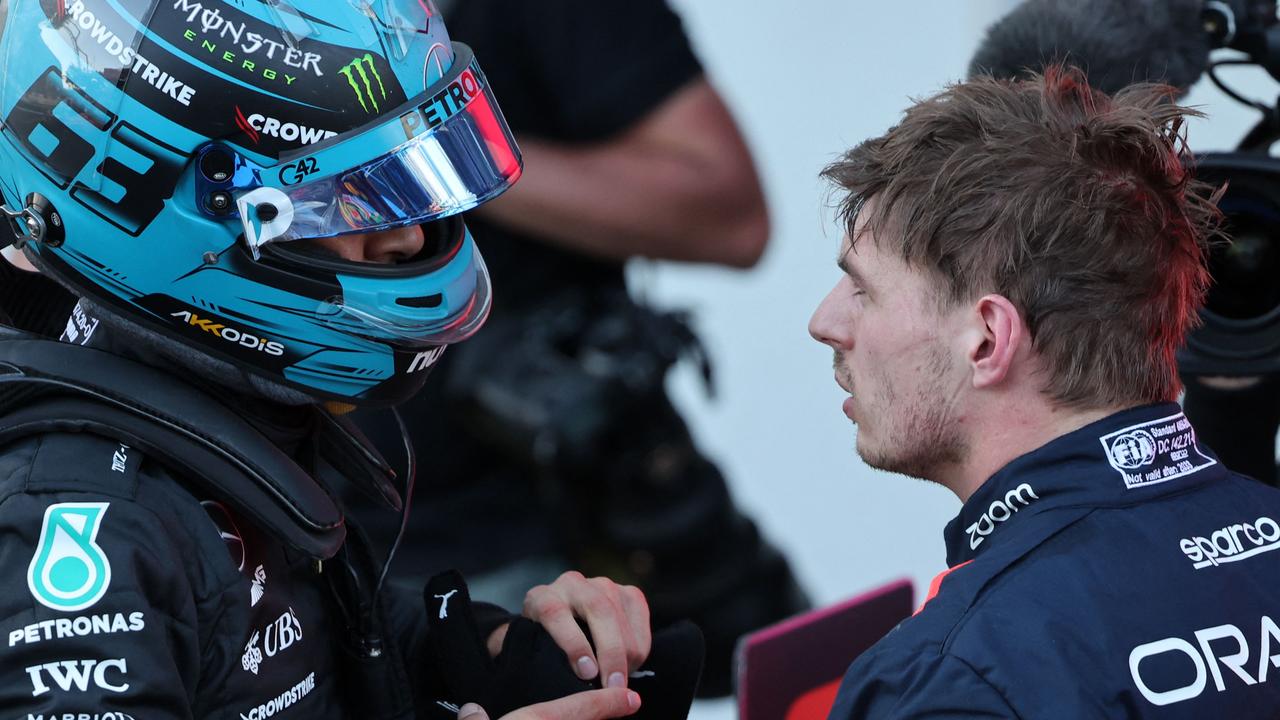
{"points": [[1125, 458], [291, 428]]}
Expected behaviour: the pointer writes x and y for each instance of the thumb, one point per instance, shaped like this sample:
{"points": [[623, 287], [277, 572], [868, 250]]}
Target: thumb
{"points": [[472, 711], [591, 705]]}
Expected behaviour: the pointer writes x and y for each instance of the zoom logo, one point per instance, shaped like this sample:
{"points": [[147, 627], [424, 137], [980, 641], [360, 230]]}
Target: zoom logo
{"points": [[1000, 511]]}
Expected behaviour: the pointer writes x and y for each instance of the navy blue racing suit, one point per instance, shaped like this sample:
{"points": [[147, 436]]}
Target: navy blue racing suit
{"points": [[1118, 571]]}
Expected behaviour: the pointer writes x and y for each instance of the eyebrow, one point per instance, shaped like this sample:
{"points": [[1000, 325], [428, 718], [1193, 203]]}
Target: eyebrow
{"points": [[842, 262]]}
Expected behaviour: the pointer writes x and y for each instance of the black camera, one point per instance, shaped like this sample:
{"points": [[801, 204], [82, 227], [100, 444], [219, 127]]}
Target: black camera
{"points": [[553, 386], [1240, 334], [1240, 330]]}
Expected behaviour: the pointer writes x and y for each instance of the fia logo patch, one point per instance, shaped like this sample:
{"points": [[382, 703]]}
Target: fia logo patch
{"points": [[1155, 452], [70, 571]]}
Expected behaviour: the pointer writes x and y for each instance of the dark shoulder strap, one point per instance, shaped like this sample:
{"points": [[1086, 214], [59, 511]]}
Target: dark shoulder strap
{"points": [[47, 386]]}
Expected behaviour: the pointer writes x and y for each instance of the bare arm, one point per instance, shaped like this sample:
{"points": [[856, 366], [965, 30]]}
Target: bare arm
{"points": [[679, 185]]}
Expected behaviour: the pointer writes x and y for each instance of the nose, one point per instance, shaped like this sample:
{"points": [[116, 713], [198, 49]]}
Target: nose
{"points": [[384, 246], [829, 322]]}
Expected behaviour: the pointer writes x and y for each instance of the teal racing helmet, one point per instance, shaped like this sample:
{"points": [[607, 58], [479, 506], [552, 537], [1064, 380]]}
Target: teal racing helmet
{"points": [[169, 159]]}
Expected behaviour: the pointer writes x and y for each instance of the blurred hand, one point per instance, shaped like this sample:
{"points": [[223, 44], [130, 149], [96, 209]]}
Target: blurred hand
{"points": [[617, 616], [593, 705]]}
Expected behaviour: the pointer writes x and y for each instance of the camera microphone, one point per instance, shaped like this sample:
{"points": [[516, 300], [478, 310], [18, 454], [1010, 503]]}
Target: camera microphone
{"points": [[1115, 42]]}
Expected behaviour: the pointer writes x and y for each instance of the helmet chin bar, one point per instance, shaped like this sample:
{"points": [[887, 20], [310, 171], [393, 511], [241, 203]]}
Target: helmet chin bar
{"points": [[38, 222]]}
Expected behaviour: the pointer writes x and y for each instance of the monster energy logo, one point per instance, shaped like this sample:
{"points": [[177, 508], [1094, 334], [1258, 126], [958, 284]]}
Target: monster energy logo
{"points": [[364, 89], [69, 571]]}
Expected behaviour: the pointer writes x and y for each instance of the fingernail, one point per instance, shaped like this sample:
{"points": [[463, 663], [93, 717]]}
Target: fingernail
{"points": [[633, 699], [587, 668], [468, 710], [617, 680]]}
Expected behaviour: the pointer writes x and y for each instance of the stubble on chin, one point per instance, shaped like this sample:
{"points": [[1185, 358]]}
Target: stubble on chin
{"points": [[922, 437]]}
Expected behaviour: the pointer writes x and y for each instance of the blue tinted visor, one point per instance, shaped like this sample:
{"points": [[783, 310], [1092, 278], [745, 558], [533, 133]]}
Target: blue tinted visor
{"points": [[445, 152]]}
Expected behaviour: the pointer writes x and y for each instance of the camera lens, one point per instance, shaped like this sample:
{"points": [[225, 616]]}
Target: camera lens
{"points": [[217, 165], [1245, 271]]}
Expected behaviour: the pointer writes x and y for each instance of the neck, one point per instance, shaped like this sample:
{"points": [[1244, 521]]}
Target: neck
{"points": [[1002, 434], [15, 258]]}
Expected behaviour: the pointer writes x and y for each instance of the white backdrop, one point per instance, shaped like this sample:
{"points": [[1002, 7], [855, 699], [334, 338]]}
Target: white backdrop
{"points": [[808, 80]]}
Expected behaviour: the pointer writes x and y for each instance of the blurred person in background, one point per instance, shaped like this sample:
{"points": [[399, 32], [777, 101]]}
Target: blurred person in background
{"points": [[552, 441], [1022, 260]]}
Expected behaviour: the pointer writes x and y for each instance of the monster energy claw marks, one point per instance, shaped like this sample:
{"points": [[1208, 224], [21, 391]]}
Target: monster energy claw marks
{"points": [[364, 68]]}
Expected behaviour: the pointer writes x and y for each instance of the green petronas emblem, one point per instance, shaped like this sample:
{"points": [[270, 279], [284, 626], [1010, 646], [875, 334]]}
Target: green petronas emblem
{"points": [[69, 570], [364, 90]]}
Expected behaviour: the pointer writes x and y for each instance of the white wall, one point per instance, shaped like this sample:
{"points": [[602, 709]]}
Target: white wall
{"points": [[808, 80]]}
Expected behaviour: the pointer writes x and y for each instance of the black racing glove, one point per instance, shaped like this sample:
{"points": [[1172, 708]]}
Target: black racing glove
{"points": [[532, 669]]}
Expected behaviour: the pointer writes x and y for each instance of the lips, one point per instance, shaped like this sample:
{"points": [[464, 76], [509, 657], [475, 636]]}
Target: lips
{"points": [[848, 403], [843, 386]]}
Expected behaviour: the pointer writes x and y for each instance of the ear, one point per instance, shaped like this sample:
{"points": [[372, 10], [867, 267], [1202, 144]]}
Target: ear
{"points": [[998, 334]]}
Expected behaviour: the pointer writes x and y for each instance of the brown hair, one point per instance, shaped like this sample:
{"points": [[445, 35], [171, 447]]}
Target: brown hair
{"points": [[1074, 205]]}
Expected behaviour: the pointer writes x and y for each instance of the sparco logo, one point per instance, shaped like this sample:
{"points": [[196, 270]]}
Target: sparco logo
{"points": [[231, 335], [257, 125], [1232, 652], [1000, 511], [1232, 543], [362, 74]]}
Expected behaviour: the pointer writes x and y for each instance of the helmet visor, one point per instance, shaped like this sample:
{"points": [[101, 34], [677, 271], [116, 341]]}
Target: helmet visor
{"points": [[378, 309], [452, 150]]}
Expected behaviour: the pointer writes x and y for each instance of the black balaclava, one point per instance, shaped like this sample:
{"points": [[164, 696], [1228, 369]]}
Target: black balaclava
{"points": [[32, 302]]}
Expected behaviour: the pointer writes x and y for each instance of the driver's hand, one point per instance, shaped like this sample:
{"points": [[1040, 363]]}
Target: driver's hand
{"points": [[592, 705], [617, 615]]}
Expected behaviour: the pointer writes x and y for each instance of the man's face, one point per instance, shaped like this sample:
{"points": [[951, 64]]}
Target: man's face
{"points": [[897, 356], [385, 247]]}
